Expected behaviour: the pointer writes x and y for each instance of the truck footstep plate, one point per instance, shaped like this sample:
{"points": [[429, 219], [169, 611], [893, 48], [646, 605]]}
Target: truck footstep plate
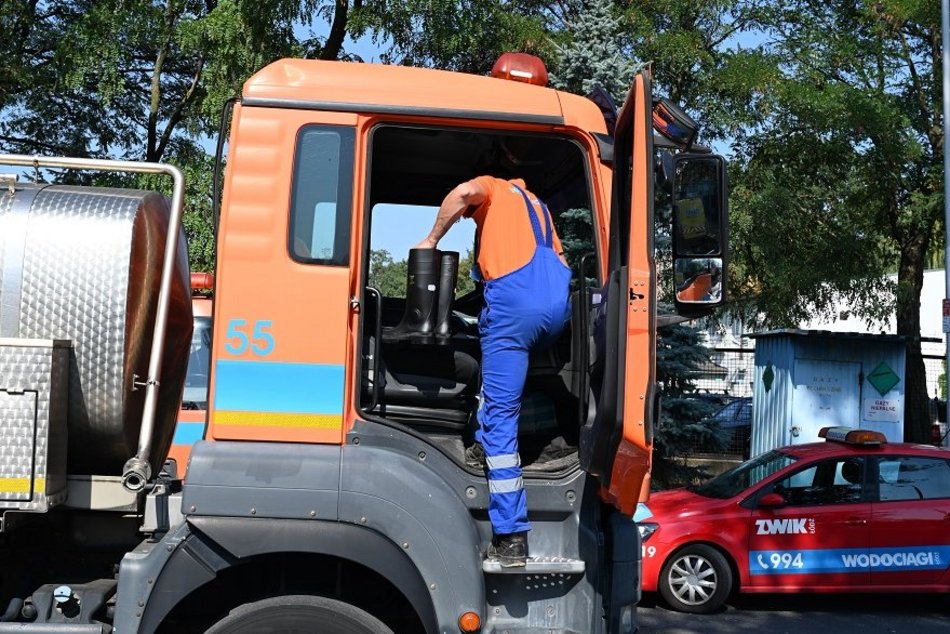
{"points": [[538, 566]]}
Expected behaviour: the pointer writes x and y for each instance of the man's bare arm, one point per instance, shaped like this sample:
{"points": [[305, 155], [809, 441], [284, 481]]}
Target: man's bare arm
{"points": [[453, 206]]}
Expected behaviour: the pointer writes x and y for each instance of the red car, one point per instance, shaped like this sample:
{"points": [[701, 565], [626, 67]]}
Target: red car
{"points": [[851, 514]]}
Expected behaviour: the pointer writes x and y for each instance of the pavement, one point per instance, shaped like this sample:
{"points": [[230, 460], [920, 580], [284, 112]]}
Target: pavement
{"points": [[807, 614]]}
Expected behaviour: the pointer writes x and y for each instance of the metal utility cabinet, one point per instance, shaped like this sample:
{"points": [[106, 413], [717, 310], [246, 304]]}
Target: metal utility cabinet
{"points": [[809, 379]]}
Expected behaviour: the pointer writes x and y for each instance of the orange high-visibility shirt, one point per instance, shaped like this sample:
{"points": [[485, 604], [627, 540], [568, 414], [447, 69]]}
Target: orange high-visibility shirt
{"points": [[505, 239], [697, 289]]}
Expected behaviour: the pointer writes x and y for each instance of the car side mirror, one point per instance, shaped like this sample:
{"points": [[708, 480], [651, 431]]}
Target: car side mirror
{"points": [[771, 501]]}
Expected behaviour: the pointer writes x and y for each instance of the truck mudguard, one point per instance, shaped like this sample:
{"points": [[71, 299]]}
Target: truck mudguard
{"points": [[385, 507], [216, 543]]}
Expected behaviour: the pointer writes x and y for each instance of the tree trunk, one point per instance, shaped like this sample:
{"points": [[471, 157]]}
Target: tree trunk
{"points": [[910, 281]]}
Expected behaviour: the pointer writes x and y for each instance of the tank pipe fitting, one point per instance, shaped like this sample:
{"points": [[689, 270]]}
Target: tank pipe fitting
{"points": [[137, 470]]}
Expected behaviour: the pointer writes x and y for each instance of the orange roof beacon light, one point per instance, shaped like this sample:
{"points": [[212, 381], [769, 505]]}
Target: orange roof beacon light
{"points": [[202, 281], [521, 67], [852, 436]]}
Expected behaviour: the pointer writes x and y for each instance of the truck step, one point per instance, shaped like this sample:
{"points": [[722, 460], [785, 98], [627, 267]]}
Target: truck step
{"points": [[538, 566]]}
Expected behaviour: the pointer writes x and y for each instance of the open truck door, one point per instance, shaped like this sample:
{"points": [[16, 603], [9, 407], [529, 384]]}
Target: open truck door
{"points": [[616, 441]]}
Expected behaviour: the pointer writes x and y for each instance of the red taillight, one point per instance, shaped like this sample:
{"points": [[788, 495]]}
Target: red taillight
{"points": [[202, 281], [521, 67]]}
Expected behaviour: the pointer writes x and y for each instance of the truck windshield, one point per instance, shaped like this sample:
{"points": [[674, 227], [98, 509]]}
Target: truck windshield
{"points": [[747, 474], [196, 380]]}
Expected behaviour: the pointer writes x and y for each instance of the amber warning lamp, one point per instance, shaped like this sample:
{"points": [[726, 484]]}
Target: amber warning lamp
{"points": [[852, 436], [469, 622], [202, 281], [521, 67]]}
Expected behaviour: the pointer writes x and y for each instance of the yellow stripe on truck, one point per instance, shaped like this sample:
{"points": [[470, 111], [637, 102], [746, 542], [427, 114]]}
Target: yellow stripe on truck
{"points": [[276, 419], [21, 485]]}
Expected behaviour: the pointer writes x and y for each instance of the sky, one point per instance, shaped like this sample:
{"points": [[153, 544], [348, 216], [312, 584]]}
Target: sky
{"points": [[397, 228]]}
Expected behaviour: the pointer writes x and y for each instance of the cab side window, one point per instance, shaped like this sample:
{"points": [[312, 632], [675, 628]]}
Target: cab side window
{"points": [[322, 195], [913, 478], [836, 481]]}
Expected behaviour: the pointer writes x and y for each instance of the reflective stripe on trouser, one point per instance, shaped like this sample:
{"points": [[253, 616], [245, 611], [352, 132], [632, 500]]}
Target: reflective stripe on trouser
{"points": [[524, 310]]}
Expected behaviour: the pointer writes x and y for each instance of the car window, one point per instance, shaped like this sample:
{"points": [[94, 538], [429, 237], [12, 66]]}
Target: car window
{"points": [[735, 414], [834, 481], [745, 414], [913, 478], [747, 474], [195, 395]]}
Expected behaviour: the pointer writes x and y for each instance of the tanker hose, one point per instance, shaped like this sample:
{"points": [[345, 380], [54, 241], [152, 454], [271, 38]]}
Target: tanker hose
{"points": [[136, 473]]}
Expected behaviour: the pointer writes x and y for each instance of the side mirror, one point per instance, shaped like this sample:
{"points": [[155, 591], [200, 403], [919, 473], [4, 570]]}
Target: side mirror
{"points": [[771, 501], [700, 234]]}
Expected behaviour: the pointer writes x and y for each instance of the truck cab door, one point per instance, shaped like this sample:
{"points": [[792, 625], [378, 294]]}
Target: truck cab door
{"points": [[616, 441], [282, 297]]}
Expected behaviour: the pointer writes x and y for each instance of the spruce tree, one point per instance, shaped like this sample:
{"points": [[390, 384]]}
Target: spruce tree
{"points": [[598, 52]]}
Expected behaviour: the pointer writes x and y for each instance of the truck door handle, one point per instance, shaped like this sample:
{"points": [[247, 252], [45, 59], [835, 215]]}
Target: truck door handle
{"points": [[855, 521]]}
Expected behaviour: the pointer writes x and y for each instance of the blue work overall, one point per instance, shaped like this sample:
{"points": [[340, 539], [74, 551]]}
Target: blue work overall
{"points": [[524, 310]]}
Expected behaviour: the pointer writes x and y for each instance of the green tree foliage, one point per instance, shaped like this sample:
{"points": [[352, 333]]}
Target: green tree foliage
{"points": [[596, 53], [145, 80], [386, 275], [464, 36], [841, 181]]}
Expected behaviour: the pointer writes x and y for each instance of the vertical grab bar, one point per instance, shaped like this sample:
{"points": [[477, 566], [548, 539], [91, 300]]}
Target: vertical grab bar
{"points": [[377, 346], [584, 335]]}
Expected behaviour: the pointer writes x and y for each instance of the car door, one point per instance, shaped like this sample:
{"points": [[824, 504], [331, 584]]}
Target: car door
{"points": [[910, 520], [819, 538], [616, 443]]}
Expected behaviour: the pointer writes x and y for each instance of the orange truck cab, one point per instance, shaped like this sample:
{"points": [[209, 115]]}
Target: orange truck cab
{"points": [[331, 485]]}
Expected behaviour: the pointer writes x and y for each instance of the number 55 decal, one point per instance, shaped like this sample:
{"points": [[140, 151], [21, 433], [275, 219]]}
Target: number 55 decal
{"points": [[260, 341]]}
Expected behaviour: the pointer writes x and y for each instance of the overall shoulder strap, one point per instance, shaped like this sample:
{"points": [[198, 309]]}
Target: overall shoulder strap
{"points": [[539, 239]]}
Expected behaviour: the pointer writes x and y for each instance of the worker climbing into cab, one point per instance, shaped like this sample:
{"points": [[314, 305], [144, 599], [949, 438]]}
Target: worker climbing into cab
{"points": [[526, 286]]}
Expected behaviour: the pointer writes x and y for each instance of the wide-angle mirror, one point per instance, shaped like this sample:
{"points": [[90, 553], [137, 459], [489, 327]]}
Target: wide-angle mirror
{"points": [[698, 280]]}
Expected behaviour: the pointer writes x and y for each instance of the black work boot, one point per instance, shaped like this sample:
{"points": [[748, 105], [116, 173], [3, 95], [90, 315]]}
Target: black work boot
{"points": [[448, 277], [422, 299], [511, 551]]}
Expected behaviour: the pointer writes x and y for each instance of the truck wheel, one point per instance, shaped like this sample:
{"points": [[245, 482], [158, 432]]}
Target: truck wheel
{"points": [[298, 614], [696, 579]]}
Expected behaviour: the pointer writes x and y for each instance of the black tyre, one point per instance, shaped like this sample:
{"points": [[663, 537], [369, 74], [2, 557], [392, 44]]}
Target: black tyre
{"points": [[696, 579], [298, 614]]}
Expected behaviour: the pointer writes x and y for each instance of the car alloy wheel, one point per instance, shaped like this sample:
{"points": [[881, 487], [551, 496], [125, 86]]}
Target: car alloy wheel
{"points": [[696, 579]]}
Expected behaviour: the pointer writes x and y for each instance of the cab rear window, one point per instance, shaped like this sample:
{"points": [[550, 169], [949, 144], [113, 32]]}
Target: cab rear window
{"points": [[321, 201]]}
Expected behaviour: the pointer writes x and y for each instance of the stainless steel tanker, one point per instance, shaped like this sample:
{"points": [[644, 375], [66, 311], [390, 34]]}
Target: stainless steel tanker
{"points": [[83, 266]]}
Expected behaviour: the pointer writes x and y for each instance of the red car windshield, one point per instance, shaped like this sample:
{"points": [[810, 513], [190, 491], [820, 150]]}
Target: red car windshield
{"points": [[747, 474]]}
